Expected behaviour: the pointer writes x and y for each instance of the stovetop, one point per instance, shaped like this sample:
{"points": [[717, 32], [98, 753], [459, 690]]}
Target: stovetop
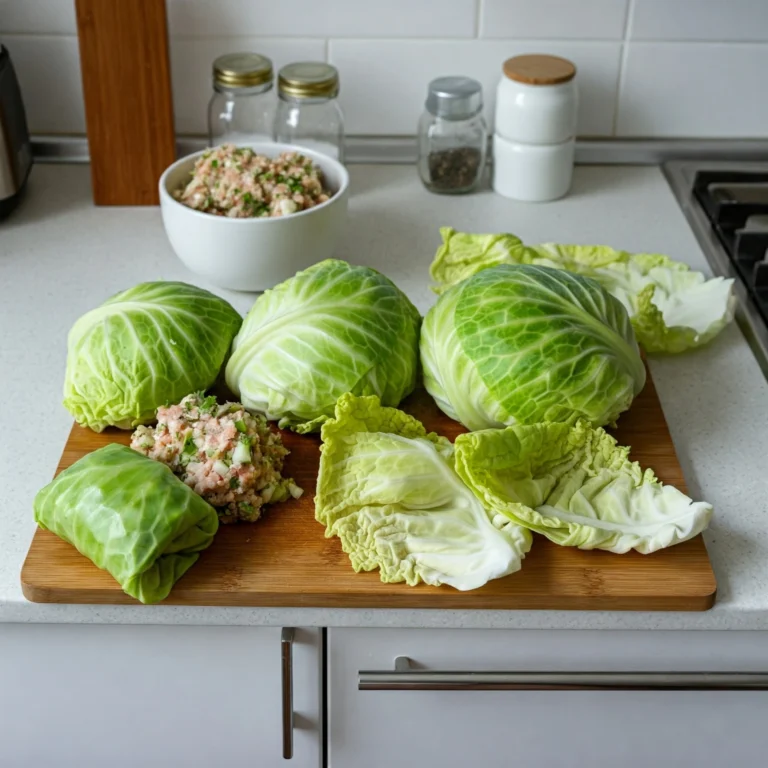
{"points": [[726, 204]]}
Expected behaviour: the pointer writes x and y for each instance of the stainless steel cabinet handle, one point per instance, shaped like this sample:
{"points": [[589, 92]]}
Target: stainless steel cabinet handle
{"points": [[286, 653], [406, 678]]}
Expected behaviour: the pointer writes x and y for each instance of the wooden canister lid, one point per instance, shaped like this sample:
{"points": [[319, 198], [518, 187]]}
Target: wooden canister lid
{"points": [[539, 69]]}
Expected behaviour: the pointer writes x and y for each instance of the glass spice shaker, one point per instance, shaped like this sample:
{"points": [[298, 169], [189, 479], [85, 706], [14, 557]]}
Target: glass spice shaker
{"points": [[242, 106], [453, 136], [308, 113]]}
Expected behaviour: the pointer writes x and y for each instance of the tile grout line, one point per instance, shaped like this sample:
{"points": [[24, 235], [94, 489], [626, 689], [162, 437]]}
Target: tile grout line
{"points": [[478, 17], [622, 67], [627, 18], [363, 39], [619, 87]]}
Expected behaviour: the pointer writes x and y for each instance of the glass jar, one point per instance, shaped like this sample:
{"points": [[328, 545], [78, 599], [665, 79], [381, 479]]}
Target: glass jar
{"points": [[453, 136], [308, 113], [242, 107]]}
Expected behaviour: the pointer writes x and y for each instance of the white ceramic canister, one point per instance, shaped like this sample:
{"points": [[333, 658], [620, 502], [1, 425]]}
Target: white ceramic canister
{"points": [[537, 100], [535, 125], [532, 172]]}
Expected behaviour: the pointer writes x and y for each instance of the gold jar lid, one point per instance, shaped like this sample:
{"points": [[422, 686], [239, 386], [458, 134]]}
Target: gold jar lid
{"points": [[242, 70], [539, 69], [308, 79]]}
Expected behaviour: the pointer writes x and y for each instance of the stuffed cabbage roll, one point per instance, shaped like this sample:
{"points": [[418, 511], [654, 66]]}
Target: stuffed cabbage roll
{"points": [[130, 516]]}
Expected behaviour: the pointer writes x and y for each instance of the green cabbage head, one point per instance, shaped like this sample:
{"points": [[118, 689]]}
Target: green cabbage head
{"points": [[527, 344], [144, 347], [328, 330]]}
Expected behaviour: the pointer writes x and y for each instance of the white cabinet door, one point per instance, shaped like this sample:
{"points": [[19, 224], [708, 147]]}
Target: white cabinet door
{"points": [[545, 729], [87, 696]]}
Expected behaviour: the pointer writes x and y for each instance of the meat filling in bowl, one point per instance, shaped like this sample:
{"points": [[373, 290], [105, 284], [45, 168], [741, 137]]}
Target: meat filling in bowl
{"points": [[236, 182], [227, 455]]}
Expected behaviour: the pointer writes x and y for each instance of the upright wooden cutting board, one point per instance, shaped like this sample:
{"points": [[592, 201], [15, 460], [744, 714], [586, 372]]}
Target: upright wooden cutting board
{"points": [[128, 103], [285, 560]]}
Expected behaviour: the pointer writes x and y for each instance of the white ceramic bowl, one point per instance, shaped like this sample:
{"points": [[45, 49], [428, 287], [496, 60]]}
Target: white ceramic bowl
{"points": [[254, 254]]}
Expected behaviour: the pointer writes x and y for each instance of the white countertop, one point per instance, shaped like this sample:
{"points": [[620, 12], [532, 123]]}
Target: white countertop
{"points": [[60, 256]]}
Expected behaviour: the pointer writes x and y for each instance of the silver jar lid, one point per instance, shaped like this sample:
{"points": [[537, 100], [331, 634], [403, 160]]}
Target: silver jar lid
{"points": [[454, 98]]}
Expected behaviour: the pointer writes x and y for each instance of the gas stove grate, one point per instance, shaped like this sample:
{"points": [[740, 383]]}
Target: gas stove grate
{"points": [[736, 204]]}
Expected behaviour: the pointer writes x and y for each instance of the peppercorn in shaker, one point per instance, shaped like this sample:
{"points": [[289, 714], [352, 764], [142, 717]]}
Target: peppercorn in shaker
{"points": [[452, 136]]}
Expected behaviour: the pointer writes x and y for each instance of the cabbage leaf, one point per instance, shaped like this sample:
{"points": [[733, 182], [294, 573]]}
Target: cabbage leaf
{"points": [[576, 486], [672, 307], [389, 491]]}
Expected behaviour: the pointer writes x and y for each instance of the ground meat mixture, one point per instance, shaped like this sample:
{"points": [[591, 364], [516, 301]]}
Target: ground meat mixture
{"points": [[227, 455], [236, 182]]}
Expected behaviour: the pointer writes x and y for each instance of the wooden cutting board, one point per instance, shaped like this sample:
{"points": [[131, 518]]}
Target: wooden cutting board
{"points": [[285, 559]]}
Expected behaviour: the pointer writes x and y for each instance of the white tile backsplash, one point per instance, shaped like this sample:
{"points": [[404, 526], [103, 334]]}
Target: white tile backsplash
{"points": [[698, 90], [647, 68], [48, 68], [48, 17], [585, 19], [323, 18], [716, 20], [191, 70], [384, 82]]}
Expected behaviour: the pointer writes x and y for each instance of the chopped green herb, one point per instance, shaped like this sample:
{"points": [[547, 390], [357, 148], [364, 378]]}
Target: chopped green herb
{"points": [[208, 404], [209, 202], [214, 163], [234, 482], [245, 506], [190, 449]]}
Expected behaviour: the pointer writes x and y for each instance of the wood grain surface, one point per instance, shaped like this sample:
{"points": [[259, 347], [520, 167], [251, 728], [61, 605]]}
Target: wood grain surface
{"points": [[128, 101], [285, 559], [539, 69]]}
